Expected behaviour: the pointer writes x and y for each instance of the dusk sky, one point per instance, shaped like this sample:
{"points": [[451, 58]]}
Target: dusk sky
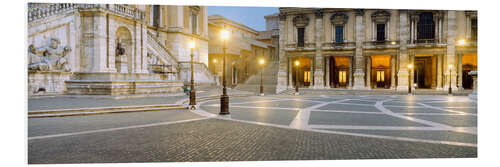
{"points": [[249, 16]]}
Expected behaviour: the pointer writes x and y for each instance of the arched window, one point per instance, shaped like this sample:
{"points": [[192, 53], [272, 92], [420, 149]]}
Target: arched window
{"points": [[425, 26]]}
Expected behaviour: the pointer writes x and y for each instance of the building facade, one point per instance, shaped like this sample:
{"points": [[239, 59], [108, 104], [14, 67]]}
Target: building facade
{"points": [[243, 50], [113, 49], [373, 48]]}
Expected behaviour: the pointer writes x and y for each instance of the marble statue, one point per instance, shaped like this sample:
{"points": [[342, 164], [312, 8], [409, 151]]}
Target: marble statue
{"points": [[52, 58], [36, 62]]}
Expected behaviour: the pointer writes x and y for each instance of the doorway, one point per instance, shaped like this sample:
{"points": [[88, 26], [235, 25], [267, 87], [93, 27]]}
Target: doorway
{"points": [[339, 71]]}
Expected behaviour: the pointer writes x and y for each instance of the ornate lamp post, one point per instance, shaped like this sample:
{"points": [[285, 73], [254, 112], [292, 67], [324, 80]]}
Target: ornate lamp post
{"points": [[409, 78], [449, 87], [261, 62], [297, 77], [192, 92], [224, 99]]}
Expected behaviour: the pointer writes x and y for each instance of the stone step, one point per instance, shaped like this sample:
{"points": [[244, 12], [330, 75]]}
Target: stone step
{"points": [[101, 110]]}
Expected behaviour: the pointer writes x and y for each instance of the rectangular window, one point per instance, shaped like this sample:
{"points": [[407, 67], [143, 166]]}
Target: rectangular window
{"points": [[156, 15], [380, 32], [194, 24], [300, 40], [473, 33], [425, 26], [339, 34]]}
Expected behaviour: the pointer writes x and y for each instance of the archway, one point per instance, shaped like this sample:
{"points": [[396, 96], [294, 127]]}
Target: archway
{"points": [[123, 50], [339, 71], [380, 73], [469, 63], [304, 75]]}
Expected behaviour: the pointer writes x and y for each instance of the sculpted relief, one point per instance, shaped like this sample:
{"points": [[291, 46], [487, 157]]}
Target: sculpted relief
{"points": [[49, 58]]}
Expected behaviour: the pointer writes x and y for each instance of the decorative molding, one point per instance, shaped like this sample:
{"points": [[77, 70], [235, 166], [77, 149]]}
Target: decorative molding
{"points": [[282, 16], [359, 12], [301, 21], [381, 16], [339, 18], [318, 13]]}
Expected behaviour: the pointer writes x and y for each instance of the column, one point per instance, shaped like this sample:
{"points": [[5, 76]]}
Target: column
{"points": [[359, 75], [311, 83], [327, 72], [368, 72], [439, 72], [284, 62], [459, 68], [291, 67], [350, 71], [317, 74], [450, 51], [393, 71], [404, 35]]}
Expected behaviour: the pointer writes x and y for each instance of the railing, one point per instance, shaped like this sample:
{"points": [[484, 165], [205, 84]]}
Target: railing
{"points": [[425, 41], [297, 45], [37, 11], [162, 68], [339, 44], [164, 52], [387, 44]]}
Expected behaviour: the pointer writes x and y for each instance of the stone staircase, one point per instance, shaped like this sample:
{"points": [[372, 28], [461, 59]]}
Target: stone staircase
{"points": [[269, 80]]}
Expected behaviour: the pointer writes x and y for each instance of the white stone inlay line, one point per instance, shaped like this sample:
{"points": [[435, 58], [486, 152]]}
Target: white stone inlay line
{"points": [[301, 121], [342, 111], [375, 127], [114, 129], [380, 107], [346, 133], [439, 108]]}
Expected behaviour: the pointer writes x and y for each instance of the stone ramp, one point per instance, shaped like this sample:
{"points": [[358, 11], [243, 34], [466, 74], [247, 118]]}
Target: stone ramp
{"points": [[269, 80]]}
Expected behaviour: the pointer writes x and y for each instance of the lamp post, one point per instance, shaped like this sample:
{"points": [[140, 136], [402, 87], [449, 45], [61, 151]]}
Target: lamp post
{"points": [[261, 62], [409, 78], [449, 87], [297, 77], [192, 92], [224, 99]]}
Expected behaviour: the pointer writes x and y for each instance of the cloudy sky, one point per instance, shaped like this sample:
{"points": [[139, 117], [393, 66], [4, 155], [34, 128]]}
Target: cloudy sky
{"points": [[250, 16]]}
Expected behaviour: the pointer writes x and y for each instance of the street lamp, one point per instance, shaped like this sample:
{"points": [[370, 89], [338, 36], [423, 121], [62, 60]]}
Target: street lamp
{"points": [[409, 78], [261, 62], [224, 99], [192, 92], [297, 77], [461, 42], [449, 87]]}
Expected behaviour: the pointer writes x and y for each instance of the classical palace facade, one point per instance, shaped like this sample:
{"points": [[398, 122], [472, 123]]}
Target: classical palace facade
{"points": [[373, 48], [112, 49], [243, 50]]}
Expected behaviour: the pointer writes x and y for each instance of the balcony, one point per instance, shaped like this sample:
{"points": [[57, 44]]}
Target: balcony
{"points": [[380, 44], [338, 45], [39, 11], [425, 43], [308, 46]]}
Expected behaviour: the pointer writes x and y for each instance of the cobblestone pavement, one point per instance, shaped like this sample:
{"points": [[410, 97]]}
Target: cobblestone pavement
{"points": [[266, 128]]}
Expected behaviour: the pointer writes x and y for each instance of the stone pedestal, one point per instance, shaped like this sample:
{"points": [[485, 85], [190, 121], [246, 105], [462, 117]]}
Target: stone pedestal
{"points": [[47, 82], [121, 83]]}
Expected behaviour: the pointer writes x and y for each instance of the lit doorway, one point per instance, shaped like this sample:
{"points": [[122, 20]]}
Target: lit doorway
{"points": [[304, 75], [339, 71], [380, 75]]}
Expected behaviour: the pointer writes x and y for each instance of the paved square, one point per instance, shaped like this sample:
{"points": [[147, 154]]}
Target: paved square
{"points": [[266, 128]]}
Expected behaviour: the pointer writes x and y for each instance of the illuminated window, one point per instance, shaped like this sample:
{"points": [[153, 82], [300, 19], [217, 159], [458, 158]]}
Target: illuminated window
{"points": [[380, 76], [342, 77], [307, 76]]}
